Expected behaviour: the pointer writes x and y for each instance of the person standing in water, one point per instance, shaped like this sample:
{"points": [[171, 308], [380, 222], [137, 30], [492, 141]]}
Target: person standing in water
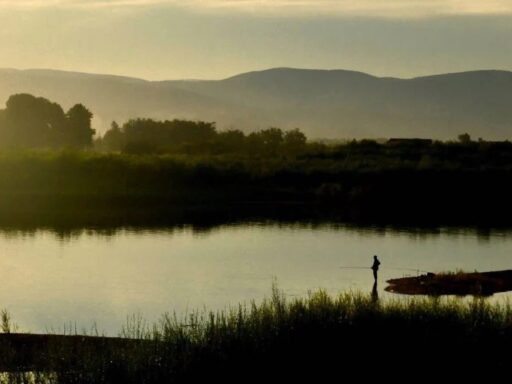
{"points": [[375, 267]]}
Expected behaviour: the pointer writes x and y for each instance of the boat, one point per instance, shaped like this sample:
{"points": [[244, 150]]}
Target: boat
{"points": [[453, 283]]}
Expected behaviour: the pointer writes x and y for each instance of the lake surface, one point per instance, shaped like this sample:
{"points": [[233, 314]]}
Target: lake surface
{"points": [[55, 282]]}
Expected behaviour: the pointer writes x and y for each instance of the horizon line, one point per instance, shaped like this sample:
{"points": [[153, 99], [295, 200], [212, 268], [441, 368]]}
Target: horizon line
{"points": [[129, 77]]}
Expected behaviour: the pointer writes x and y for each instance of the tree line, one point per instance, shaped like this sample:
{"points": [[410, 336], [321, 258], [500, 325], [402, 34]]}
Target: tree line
{"points": [[35, 122], [141, 136]]}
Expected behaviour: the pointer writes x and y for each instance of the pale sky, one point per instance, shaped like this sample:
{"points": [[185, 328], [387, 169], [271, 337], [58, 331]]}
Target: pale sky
{"points": [[173, 39]]}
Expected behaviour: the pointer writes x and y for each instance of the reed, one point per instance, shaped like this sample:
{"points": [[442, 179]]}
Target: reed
{"points": [[313, 337]]}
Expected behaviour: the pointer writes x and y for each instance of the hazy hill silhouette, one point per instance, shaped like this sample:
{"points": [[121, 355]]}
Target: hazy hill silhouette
{"points": [[322, 103]]}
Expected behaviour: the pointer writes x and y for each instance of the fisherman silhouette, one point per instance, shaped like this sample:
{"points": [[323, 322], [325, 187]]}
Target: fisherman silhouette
{"points": [[375, 266]]}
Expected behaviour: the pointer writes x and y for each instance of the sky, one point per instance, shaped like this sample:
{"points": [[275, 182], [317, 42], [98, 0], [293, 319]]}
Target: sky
{"points": [[213, 39]]}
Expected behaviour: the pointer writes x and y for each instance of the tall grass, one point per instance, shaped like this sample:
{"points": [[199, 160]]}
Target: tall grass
{"points": [[41, 186], [305, 338]]}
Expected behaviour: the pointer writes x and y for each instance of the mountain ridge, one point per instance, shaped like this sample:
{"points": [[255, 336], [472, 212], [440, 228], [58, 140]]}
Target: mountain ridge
{"points": [[333, 103], [259, 71]]}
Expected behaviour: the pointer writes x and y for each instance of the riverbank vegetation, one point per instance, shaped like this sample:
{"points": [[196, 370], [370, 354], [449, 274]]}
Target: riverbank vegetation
{"points": [[49, 167], [382, 187], [312, 338]]}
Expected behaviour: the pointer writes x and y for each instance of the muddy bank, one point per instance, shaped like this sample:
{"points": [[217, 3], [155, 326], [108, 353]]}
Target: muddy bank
{"points": [[460, 283]]}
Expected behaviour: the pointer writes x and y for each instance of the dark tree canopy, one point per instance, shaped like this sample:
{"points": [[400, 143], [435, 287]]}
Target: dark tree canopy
{"points": [[167, 134], [140, 136], [31, 121], [151, 136], [295, 140], [79, 126], [35, 122], [113, 138], [464, 138]]}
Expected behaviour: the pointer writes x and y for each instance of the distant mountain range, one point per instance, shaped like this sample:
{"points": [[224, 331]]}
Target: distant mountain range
{"points": [[324, 104]]}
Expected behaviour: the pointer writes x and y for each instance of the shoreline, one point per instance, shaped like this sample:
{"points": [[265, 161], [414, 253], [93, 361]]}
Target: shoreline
{"points": [[272, 337]]}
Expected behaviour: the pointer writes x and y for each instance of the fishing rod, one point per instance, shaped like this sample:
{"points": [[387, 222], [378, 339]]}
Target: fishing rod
{"points": [[390, 268]]}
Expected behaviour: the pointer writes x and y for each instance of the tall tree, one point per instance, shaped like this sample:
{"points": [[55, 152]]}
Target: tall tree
{"points": [[294, 141], [113, 139], [79, 130], [30, 121]]}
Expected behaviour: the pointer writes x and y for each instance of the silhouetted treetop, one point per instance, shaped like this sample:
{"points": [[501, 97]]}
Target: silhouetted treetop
{"points": [[35, 122], [79, 126], [113, 138], [464, 138], [31, 121], [139, 136]]}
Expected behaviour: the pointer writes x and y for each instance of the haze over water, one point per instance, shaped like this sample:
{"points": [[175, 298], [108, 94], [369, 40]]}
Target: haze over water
{"points": [[54, 282]]}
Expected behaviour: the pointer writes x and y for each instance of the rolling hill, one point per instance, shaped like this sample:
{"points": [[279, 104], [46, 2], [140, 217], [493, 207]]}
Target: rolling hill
{"points": [[323, 103]]}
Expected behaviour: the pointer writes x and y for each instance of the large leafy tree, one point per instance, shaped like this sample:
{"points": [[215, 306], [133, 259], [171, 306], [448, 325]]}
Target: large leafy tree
{"points": [[114, 138], [30, 121], [35, 122], [79, 132]]}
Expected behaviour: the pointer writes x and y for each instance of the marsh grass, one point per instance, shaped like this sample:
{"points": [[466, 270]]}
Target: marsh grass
{"points": [[310, 338], [86, 187], [6, 324]]}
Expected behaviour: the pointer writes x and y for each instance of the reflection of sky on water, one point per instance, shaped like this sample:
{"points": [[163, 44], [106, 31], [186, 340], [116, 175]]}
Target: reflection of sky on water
{"points": [[50, 280]]}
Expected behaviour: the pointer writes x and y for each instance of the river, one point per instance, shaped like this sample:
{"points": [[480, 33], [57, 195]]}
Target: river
{"points": [[95, 279]]}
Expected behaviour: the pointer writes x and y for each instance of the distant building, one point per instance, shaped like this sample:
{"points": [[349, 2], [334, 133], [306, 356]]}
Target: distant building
{"points": [[414, 142]]}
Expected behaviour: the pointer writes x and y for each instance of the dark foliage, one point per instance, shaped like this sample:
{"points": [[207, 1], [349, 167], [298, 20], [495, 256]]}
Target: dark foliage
{"points": [[146, 136], [444, 184], [317, 339], [35, 122], [165, 164]]}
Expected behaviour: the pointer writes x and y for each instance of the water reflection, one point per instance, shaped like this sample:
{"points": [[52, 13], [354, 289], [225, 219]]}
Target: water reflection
{"points": [[484, 235], [375, 293], [103, 274]]}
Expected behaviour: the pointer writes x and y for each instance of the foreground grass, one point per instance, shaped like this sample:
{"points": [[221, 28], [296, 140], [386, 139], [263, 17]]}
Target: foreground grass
{"points": [[309, 339]]}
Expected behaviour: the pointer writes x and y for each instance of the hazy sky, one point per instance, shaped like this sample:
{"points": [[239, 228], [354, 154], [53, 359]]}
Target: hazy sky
{"points": [[158, 39]]}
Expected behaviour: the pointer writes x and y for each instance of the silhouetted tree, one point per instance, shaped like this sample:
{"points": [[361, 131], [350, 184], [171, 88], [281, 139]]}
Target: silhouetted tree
{"points": [[79, 130], [272, 137], [30, 121], [35, 122], [464, 138], [267, 141], [113, 139], [230, 141], [294, 141], [163, 135], [139, 136]]}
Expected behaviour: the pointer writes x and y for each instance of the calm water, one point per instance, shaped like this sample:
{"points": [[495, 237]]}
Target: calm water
{"points": [[53, 282]]}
